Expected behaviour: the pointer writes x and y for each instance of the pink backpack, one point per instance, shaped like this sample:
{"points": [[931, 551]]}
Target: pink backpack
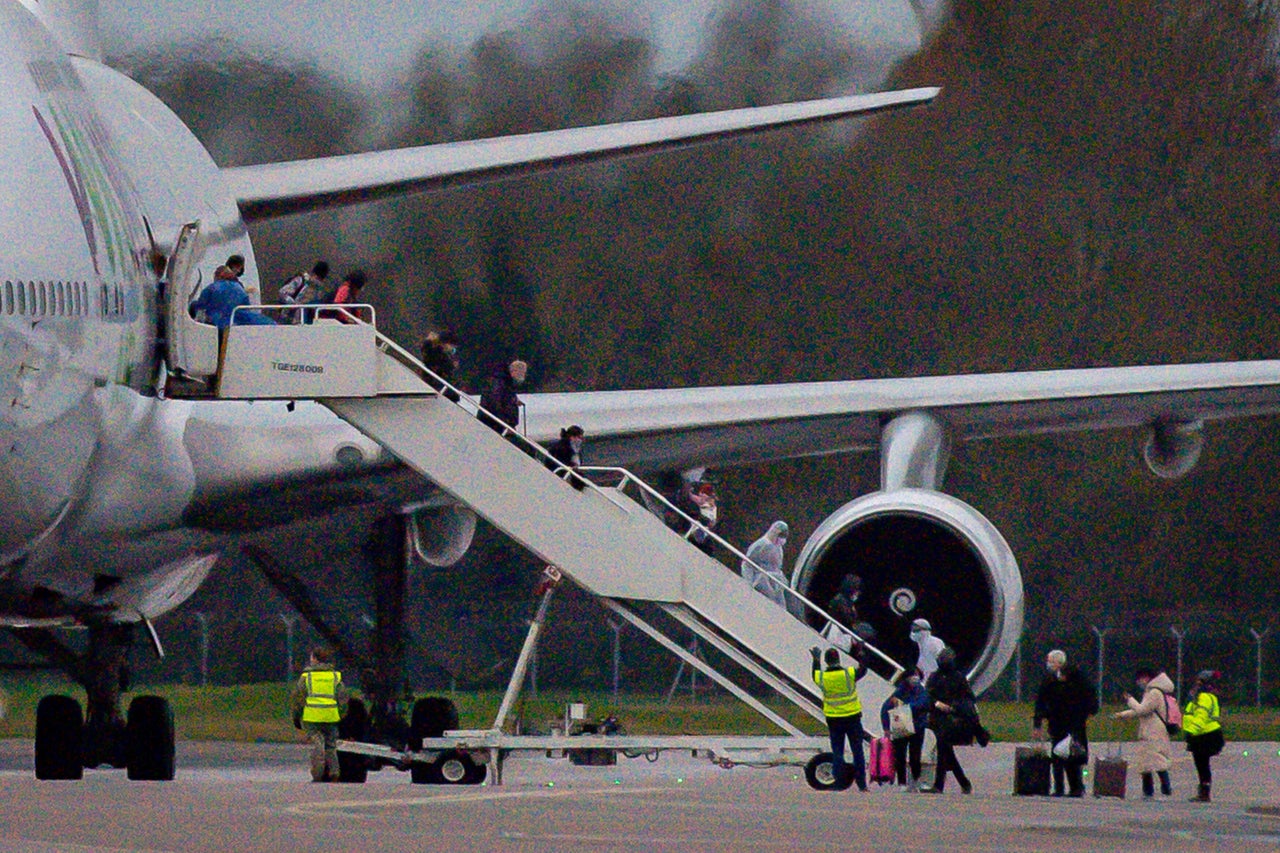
{"points": [[1172, 715]]}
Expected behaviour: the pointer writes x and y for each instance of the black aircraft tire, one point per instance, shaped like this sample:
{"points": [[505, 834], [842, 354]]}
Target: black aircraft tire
{"points": [[59, 738], [424, 774], [432, 716], [353, 769], [820, 776], [475, 775], [457, 768], [149, 747]]}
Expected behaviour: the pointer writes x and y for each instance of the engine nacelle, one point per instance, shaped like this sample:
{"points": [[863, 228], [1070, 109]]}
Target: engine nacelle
{"points": [[441, 532], [1173, 448], [921, 554]]}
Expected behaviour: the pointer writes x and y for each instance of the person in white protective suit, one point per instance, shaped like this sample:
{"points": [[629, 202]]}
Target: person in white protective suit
{"points": [[930, 646], [766, 576]]}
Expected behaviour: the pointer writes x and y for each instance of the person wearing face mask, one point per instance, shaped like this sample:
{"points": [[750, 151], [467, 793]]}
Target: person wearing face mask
{"points": [[500, 405], [1065, 703], [844, 612], [952, 716], [1154, 753], [910, 691], [440, 356], [697, 500], [930, 647], [763, 566], [567, 450], [843, 605]]}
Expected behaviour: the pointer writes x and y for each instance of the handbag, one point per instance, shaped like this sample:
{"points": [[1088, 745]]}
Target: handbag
{"points": [[836, 635], [901, 722], [1068, 749]]}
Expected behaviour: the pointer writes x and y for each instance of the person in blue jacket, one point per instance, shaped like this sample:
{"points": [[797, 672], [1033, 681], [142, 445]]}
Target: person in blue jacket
{"points": [[911, 692], [224, 294]]}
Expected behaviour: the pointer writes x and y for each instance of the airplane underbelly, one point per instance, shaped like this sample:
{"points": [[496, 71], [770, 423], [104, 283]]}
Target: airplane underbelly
{"points": [[41, 468]]}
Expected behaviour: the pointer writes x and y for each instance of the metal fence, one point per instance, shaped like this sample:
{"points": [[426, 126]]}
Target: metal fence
{"points": [[1110, 652], [221, 649]]}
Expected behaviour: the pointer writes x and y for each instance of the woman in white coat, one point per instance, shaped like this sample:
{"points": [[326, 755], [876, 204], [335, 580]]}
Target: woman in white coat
{"points": [[1154, 752]]}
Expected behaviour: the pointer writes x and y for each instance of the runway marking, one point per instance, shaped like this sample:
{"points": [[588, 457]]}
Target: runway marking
{"points": [[322, 806], [28, 845], [614, 839]]}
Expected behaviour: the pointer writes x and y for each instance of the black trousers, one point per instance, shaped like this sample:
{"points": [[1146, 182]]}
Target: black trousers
{"points": [[907, 749], [1203, 748], [1073, 769], [947, 761]]}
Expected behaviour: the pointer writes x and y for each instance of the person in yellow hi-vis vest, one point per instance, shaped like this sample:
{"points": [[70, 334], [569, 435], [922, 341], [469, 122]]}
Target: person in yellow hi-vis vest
{"points": [[319, 702], [843, 710], [1203, 731]]}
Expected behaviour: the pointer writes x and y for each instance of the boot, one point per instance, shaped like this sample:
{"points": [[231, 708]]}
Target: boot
{"points": [[1166, 787], [1203, 795]]}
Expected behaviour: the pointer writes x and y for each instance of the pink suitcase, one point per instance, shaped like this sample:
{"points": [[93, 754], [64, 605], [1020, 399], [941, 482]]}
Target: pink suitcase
{"points": [[881, 761]]}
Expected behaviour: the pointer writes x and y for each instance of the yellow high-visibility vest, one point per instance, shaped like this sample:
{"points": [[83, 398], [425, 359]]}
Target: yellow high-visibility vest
{"points": [[1201, 716], [322, 696], [839, 691]]}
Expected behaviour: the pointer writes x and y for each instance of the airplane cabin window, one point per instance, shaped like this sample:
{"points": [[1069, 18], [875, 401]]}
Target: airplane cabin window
{"points": [[22, 297], [7, 298], [42, 298]]}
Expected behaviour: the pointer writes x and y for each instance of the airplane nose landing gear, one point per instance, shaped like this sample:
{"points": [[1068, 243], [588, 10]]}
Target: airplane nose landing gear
{"points": [[67, 741]]}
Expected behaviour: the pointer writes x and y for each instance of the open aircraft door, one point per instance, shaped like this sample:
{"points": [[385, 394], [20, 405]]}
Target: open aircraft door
{"points": [[192, 346]]}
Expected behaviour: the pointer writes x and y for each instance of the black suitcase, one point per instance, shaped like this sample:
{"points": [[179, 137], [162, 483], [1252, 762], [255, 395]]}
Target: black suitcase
{"points": [[1030, 772], [1109, 776]]}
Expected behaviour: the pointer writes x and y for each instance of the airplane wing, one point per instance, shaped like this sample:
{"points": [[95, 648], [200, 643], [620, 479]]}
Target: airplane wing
{"points": [[676, 428], [278, 189]]}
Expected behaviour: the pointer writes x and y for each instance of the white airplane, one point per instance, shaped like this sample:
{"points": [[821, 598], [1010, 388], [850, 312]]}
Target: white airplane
{"points": [[117, 498]]}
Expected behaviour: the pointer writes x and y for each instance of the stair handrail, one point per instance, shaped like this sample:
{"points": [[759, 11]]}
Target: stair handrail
{"points": [[628, 477], [386, 343], [523, 441]]}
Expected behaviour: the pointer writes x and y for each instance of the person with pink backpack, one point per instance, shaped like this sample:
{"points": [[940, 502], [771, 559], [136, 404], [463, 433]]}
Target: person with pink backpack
{"points": [[1152, 713]]}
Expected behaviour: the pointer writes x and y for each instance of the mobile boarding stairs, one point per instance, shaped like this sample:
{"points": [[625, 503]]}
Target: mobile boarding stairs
{"points": [[603, 537]]}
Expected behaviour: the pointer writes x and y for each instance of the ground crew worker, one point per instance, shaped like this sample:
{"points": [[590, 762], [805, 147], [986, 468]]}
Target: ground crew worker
{"points": [[1202, 728], [843, 710], [319, 702]]}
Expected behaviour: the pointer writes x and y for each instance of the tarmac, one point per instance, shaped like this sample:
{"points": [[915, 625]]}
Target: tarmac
{"points": [[256, 797]]}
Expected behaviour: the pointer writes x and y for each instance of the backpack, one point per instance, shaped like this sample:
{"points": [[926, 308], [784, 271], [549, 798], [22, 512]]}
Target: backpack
{"points": [[292, 289], [1172, 716]]}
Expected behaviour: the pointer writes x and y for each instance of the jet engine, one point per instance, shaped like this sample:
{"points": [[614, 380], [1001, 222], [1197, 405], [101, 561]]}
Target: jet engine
{"points": [[441, 532], [1173, 448], [921, 554]]}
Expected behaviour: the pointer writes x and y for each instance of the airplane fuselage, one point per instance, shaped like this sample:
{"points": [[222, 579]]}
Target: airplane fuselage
{"points": [[99, 176]]}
